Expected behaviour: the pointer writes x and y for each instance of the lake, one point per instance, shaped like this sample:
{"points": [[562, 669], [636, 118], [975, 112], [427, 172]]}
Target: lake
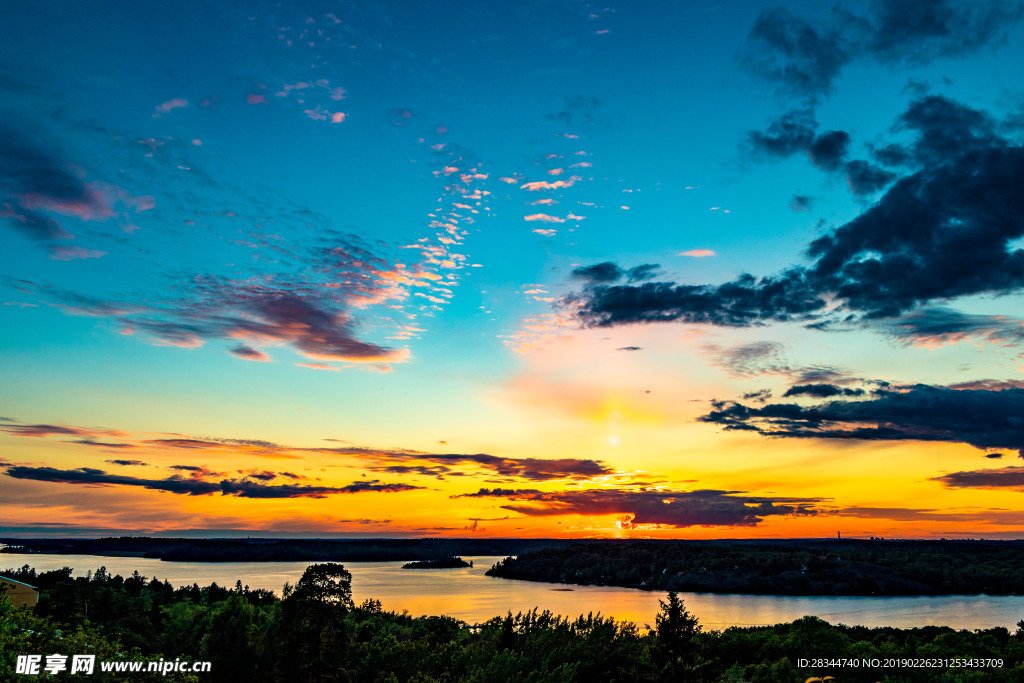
{"points": [[468, 595]]}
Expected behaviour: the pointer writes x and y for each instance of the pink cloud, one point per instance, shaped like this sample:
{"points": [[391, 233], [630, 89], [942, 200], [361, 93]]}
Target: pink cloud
{"points": [[547, 232], [318, 366], [169, 105], [556, 171], [697, 253], [316, 114], [255, 99], [337, 117], [545, 185], [74, 253], [543, 218]]}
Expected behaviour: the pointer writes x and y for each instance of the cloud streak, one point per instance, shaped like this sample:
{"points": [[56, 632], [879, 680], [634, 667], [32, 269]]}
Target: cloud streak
{"points": [[678, 509], [193, 486]]}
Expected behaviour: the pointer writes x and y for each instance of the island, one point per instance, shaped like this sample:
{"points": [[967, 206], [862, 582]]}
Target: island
{"points": [[439, 563]]}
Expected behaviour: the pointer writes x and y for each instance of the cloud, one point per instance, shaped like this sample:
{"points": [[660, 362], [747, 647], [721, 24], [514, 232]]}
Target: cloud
{"points": [[937, 326], [314, 324], [396, 461], [544, 218], [1007, 477], [804, 58], [17, 428], [538, 185], [982, 418], [943, 231], [241, 488], [645, 271], [35, 179], [801, 203], [794, 132], [610, 272], [599, 272], [171, 105], [821, 391], [697, 253], [249, 353], [533, 469], [669, 508], [126, 463]]}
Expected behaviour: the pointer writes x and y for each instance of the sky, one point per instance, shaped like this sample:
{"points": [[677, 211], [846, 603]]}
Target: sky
{"points": [[534, 269]]}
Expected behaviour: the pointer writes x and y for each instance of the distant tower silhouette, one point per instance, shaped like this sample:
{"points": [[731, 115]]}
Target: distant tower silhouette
{"points": [[839, 535]]}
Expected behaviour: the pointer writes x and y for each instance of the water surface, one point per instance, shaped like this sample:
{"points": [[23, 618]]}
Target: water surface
{"points": [[468, 595]]}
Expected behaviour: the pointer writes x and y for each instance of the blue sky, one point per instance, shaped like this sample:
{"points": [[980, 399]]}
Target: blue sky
{"points": [[542, 231]]}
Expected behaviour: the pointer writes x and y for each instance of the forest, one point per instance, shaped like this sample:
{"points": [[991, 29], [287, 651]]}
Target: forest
{"points": [[849, 567], [314, 632], [279, 549]]}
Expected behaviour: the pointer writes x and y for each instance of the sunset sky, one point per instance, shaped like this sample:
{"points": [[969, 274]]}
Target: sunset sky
{"points": [[665, 269]]}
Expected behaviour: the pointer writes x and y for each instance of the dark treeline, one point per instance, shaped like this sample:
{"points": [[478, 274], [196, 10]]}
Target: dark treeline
{"points": [[316, 633], [440, 563], [851, 567], [276, 549]]}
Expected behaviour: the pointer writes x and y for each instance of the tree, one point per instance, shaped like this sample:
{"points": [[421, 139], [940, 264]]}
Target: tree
{"points": [[313, 612], [675, 631]]}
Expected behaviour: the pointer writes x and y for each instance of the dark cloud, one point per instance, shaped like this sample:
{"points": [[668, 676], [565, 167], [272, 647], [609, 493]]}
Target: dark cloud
{"points": [[761, 396], [943, 231], [865, 178], [917, 32], [578, 111], [994, 456], [828, 150], [248, 353], [126, 462], [794, 132], [821, 391], [1007, 477], [242, 488], [101, 444], [800, 203], [984, 419], [788, 134], [630, 348], [670, 508], [804, 58], [645, 271], [745, 301], [945, 129], [599, 272]]}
